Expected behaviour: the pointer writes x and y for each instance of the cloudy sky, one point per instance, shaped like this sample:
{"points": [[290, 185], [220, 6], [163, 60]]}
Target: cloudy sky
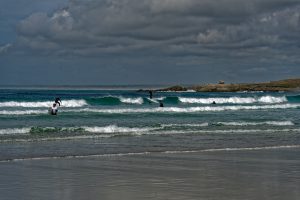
{"points": [[100, 42]]}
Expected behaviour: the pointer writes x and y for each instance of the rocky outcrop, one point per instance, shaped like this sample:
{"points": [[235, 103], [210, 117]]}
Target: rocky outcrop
{"points": [[283, 85], [176, 88]]}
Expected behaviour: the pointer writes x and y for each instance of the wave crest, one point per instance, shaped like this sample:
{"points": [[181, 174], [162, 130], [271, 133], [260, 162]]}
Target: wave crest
{"points": [[234, 100], [39, 104]]}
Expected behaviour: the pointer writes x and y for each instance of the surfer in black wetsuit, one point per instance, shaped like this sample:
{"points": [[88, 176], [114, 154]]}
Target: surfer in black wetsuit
{"points": [[161, 104], [58, 101], [53, 110], [213, 102], [150, 94]]}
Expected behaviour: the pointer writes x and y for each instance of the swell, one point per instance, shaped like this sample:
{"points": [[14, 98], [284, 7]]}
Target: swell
{"points": [[293, 99], [114, 100]]}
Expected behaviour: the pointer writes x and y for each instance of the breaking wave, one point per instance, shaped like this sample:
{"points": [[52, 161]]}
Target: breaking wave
{"points": [[273, 123], [22, 112], [234, 100], [39, 104], [138, 100], [154, 129], [116, 100], [165, 110], [189, 109], [9, 131], [116, 129], [81, 129]]}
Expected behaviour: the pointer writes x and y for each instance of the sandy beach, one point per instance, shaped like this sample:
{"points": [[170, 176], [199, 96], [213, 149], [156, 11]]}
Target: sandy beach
{"points": [[226, 175]]}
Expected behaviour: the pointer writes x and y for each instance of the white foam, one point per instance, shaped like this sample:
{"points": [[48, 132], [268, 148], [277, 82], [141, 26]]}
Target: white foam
{"points": [[65, 103], [185, 125], [157, 110], [274, 123], [149, 153], [77, 156], [235, 149], [189, 109], [22, 112], [270, 99], [234, 100], [228, 131], [249, 131], [138, 100], [9, 131], [252, 148], [116, 129], [155, 100]]}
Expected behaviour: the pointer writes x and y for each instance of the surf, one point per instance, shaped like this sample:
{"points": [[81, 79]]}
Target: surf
{"points": [[234, 100], [40, 104]]}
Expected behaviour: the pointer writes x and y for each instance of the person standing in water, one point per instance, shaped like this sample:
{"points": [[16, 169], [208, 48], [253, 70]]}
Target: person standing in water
{"points": [[53, 109]]}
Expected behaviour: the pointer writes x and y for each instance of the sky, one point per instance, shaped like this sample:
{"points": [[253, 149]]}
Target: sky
{"points": [[124, 42]]}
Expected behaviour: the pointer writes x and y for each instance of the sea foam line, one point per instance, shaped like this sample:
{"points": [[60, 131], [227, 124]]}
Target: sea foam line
{"points": [[189, 109], [39, 104], [234, 100], [9, 131], [22, 112], [116, 129], [273, 123], [90, 129], [235, 149], [150, 153], [113, 131], [75, 156], [156, 110]]}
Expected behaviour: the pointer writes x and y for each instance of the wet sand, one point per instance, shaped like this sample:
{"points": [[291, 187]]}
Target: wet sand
{"points": [[248, 174]]}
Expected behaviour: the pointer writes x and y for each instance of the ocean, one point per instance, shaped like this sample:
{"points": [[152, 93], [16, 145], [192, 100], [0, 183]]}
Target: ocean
{"points": [[120, 144], [106, 122]]}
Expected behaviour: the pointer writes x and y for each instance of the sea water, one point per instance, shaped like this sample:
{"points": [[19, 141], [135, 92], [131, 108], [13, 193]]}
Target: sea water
{"points": [[127, 122]]}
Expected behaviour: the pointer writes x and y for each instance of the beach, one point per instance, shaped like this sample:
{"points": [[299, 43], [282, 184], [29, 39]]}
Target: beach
{"points": [[225, 174]]}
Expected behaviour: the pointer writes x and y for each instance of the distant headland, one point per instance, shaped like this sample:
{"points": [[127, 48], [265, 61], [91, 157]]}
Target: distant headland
{"points": [[273, 86]]}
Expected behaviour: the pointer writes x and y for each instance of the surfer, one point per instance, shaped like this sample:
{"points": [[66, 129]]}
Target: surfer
{"points": [[213, 102], [53, 110], [57, 101], [161, 104], [150, 94]]}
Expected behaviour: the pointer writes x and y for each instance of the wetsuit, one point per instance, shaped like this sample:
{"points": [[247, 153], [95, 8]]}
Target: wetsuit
{"points": [[150, 93], [54, 109], [58, 101]]}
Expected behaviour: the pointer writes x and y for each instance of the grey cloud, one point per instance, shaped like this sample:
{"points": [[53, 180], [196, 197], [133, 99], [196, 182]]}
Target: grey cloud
{"points": [[163, 27]]}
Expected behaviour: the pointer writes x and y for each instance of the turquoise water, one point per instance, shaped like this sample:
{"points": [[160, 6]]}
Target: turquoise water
{"points": [[105, 122]]}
